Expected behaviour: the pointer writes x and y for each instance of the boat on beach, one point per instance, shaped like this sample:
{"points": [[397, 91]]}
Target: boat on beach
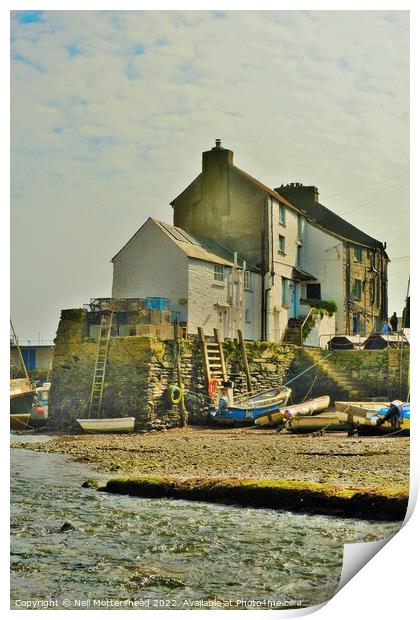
{"points": [[327, 421], [21, 398], [39, 411], [307, 408], [247, 410], [107, 425], [366, 414]]}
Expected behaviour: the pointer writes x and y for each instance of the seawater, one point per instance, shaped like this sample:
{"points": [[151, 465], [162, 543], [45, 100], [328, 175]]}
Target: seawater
{"points": [[126, 552]]}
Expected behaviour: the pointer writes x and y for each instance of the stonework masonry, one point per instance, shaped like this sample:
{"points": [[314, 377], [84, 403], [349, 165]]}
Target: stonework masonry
{"points": [[140, 369]]}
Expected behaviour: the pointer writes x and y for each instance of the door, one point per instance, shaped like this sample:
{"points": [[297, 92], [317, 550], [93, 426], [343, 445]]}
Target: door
{"points": [[293, 300], [29, 357]]}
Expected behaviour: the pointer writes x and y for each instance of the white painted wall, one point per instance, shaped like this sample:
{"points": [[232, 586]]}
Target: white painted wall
{"points": [[208, 302], [324, 326], [152, 266], [278, 313], [323, 257]]}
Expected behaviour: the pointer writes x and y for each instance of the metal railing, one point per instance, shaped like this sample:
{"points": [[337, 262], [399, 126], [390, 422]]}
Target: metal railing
{"points": [[358, 340], [303, 325]]}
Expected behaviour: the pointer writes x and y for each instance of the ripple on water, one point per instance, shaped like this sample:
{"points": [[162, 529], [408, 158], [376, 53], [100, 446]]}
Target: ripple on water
{"points": [[123, 547]]}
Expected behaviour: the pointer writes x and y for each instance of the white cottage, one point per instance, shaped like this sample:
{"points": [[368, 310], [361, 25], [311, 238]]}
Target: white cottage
{"points": [[207, 285]]}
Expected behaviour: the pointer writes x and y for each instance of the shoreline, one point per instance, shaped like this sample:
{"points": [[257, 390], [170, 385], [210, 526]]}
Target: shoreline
{"points": [[314, 471], [311, 498]]}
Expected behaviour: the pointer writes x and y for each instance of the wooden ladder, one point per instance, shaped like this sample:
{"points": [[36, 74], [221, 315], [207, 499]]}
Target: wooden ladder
{"points": [[213, 357], [95, 400]]}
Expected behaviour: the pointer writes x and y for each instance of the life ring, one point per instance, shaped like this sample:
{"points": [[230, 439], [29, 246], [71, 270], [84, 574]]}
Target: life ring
{"points": [[213, 388], [174, 394]]}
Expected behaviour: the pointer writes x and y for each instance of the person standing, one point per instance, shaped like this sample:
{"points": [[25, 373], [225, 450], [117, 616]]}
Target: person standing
{"points": [[394, 322], [386, 328]]}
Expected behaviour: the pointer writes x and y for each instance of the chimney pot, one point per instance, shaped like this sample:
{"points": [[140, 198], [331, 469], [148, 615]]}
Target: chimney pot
{"points": [[218, 143]]}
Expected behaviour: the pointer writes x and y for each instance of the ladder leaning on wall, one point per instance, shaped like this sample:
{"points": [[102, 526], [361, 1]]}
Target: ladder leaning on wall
{"points": [[98, 382]]}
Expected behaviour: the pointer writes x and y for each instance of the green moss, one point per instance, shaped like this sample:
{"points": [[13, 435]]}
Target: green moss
{"points": [[295, 495]]}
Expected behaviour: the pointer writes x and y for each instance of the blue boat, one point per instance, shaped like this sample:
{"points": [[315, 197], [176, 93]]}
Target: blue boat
{"points": [[247, 410]]}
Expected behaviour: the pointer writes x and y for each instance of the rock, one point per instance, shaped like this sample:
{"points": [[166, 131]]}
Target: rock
{"points": [[91, 484], [67, 527]]}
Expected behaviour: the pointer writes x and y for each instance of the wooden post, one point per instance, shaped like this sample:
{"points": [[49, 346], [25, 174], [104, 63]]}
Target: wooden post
{"points": [[184, 412], [245, 361]]}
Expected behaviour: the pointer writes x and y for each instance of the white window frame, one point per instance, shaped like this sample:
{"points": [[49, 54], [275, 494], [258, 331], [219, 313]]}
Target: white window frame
{"points": [[282, 215], [282, 244], [247, 280], [219, 273]]}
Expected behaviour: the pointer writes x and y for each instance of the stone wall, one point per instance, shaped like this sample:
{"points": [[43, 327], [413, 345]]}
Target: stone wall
{"points": [[141, 368], [374, 373]]}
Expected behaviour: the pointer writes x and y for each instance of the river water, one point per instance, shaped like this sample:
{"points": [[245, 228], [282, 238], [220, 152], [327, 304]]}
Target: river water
{"points": [[126, 552]]}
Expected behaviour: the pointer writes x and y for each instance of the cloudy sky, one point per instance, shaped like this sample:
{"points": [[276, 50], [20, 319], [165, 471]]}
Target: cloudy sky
{"points": [[111, 111]]}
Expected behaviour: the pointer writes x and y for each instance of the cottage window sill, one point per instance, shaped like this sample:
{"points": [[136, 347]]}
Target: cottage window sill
{"points": [[282, 253], [218, 284]]}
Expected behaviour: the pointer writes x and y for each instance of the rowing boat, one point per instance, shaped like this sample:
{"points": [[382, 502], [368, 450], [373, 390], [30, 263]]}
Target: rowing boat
{"points": [[307, 408], [107, 425], [247, 410], [327, 421], [367, 414]]}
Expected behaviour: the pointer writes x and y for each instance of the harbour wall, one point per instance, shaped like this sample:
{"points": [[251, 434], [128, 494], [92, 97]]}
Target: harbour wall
{"points": [[141, 368]]}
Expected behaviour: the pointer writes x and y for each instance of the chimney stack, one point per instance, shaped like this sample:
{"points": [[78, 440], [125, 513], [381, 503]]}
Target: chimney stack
{"points": [[299, 194], [217, 158]]}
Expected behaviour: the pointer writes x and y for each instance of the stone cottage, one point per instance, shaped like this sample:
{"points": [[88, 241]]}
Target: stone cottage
{"points": [[242, 255]]}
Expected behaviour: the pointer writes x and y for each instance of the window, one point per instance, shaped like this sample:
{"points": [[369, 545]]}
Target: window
{"points": [[357, 289], [284, 292], [300, 227], [247, 315], [282, 215], [219, 273], [247, 280], [299, 255], [282, 244], [313, 291], [358, 253]]}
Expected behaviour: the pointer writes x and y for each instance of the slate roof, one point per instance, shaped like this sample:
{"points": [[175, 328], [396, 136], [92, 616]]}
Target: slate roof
{"points": [[334, 223], [194, 246]]}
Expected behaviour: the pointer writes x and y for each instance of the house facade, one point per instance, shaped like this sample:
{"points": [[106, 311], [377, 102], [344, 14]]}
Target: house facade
{"points": [[303, 249], [206, 285], [244, 256]]}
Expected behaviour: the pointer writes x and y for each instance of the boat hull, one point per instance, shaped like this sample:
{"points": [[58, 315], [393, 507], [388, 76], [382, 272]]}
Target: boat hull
{"points": [[313, 423], [107, 425], [248, 410], [20, 421], [364, 414], [307, 408]]}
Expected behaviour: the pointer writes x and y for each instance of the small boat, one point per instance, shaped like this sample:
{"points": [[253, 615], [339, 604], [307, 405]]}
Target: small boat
{"points": [[22, 394], [366, 414], [107, 425], [247, 410], [21, 399], [308, 424], [307, 408], [39, 412]]}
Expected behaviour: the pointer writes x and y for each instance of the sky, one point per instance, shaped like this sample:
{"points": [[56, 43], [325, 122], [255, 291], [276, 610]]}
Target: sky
{"points": [[111, 110]]}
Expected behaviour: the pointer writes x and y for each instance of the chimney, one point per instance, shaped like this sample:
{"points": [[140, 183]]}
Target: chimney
{"points": [[217, 157], [299, 194]]}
